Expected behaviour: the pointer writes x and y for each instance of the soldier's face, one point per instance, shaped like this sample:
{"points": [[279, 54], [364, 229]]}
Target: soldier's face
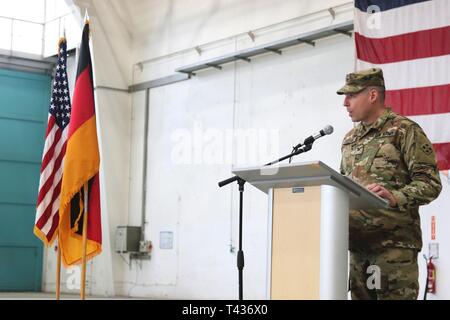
{"points": [[359, 106]]}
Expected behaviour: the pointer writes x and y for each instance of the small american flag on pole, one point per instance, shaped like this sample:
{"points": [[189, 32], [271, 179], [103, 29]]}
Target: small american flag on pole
{"points": [[47, 212]]}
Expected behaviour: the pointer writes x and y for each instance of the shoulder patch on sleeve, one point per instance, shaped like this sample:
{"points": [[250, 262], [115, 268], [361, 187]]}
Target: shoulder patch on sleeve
{"points": [[426, 148]]}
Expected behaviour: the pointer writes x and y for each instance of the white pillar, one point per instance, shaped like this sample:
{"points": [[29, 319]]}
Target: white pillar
{"points": [[333, 243]]}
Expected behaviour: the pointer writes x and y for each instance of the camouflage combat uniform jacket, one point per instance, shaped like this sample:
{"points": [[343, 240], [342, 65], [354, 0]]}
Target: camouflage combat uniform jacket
{"points": [[395, 153]]}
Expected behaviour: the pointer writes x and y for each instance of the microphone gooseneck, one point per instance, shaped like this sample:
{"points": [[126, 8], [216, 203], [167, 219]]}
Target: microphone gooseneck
{"points": [[325, 131]]}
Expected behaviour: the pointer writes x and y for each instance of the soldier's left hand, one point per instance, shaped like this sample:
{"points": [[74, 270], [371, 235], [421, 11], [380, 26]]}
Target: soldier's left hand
{"points": [[383, 193]]}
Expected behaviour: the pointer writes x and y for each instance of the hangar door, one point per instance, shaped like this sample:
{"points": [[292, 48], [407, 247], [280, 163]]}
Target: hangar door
{"points": [[24, 99]]}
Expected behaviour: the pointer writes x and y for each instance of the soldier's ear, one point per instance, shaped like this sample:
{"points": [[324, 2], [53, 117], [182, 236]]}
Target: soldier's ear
{"points": [[373, 95]]}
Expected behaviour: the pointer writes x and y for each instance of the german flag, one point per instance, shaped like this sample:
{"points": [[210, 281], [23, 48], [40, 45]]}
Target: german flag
{"points": [[81, 166]]}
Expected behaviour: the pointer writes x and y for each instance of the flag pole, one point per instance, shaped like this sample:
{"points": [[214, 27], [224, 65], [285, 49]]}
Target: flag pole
{"points": [[58, 271], [58, 255], [84, 244]]}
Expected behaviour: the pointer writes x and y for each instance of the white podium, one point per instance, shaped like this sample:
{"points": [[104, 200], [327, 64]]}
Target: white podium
{"points": [[308, 227]]}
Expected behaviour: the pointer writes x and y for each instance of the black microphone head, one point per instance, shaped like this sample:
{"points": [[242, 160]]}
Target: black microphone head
{"points": [[328, 129]]}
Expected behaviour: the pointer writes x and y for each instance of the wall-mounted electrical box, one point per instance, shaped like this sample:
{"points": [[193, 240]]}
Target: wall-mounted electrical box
{"points": [[127, 239], [433, 250]]}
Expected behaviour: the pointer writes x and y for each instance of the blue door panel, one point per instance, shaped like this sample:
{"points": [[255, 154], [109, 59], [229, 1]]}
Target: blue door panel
{"points": [[20, 182], [24, 99], [15, 214], [21, 92], [20, 142], [26, 276]]}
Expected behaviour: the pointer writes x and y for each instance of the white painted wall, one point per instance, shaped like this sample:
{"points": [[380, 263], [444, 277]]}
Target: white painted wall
{"points": [[438, 208], [289, 95], [281, 98], [270, 93]]}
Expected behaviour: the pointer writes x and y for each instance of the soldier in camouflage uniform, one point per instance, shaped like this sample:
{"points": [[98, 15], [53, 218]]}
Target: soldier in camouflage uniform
{"points": [[392, 157]]}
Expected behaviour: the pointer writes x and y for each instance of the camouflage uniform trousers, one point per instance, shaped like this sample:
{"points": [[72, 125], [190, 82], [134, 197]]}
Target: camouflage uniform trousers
{"points": [[396, 277]]}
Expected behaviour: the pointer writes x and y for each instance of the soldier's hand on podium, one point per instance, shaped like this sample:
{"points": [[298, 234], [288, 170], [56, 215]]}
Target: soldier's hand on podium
{"points": [[383, 193]]}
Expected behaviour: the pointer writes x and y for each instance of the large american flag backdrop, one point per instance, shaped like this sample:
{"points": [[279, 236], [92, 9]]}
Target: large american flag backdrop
{"points": [[47, 217], [410, 41]]}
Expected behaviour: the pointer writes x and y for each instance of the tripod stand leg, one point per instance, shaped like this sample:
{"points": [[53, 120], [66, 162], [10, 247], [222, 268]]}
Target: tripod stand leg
{"points": [[240, 256]]}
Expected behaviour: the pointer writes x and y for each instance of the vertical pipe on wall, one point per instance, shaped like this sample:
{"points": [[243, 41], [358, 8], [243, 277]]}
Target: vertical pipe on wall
{"points": [[144, 166]]}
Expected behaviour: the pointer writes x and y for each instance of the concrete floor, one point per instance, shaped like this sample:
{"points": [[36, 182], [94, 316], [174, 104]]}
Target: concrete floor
{"points": [[51, 296]]}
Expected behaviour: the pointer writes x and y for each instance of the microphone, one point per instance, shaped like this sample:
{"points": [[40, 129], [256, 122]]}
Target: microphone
{"points": [[326, 130]]}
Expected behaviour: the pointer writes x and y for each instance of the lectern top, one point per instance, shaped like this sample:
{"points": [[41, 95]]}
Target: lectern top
{"points": [[304, 174]]}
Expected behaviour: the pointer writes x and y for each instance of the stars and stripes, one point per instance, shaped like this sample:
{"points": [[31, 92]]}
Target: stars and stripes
{"points": [[409, 40], [47, 212]]}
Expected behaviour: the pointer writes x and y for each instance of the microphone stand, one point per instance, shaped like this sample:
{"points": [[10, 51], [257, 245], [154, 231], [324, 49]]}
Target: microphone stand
{"points": [[295, 152], [240, 256], [241, 182]]}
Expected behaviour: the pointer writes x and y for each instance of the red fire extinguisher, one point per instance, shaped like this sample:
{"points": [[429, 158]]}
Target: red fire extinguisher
{"points": [[431, 278]]}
